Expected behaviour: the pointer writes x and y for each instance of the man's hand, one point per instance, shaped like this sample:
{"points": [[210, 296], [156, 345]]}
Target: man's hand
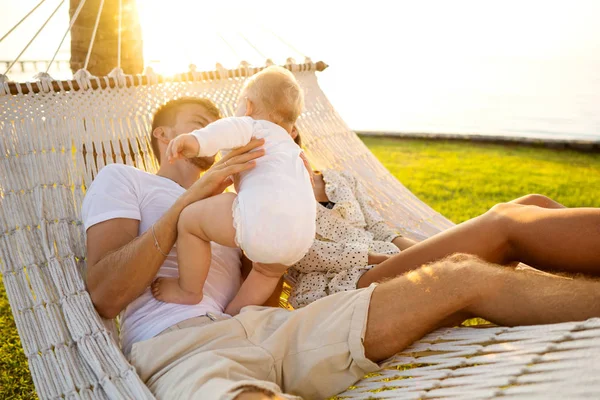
{"points": [[183, 146], [376, 258], [219, 176]]}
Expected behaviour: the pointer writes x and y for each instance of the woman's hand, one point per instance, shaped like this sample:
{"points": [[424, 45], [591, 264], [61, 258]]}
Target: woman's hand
{"points": [[218, 177], [376, 258], [403, 243]]}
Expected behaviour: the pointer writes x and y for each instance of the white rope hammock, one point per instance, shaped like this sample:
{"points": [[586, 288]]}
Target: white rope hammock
{"points": [[56, 136]]}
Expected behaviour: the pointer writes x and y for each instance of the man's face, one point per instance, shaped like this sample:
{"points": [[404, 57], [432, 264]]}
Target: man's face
{"points": [[190, 117]]}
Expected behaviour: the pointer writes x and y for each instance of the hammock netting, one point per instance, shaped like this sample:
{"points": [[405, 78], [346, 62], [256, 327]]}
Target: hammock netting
{"points": [[56, 137]]}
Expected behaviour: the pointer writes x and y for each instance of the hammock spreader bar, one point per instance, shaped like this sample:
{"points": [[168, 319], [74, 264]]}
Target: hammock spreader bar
{"points": [[139, 80]]}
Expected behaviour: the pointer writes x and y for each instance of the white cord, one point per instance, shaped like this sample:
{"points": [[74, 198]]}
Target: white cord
{"points": [[75, 15], [119, 41], [33, 38], [229, 46], [22, 19], [253, 46], [287, 44], [89, 52]]}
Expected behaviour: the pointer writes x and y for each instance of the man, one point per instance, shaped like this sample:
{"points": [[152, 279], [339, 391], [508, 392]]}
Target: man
{"points": [[315, 352]]}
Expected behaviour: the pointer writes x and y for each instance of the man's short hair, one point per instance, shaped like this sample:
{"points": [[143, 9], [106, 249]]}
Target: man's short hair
{"points": [[166, 115]]}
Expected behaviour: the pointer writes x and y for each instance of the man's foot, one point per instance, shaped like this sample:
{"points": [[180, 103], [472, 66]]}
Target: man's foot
{"points": [[169, 291]]}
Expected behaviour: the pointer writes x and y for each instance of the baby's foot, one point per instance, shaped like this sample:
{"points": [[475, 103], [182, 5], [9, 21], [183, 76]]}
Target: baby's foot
{"points": [[169, 291]]}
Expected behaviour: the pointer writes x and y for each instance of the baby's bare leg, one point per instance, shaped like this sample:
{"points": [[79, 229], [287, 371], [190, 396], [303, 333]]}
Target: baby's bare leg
{"points": [[257, 288], [199, 224]]}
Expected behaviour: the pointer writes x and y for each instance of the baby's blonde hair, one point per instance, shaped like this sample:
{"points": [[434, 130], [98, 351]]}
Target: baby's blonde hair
{"points": [[275, 90]]}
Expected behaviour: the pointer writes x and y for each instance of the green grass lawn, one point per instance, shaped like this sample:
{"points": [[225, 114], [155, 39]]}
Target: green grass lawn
{"points": [[462, 180], [458, 179]]}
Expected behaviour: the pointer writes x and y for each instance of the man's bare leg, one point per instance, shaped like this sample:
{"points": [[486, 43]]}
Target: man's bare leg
{"points": [[537, 200], [199, 224], [406, 308], [254, 395], [563, 239]]}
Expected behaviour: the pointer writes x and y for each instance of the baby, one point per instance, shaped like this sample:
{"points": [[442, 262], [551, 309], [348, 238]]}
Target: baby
{"points": [[272, 217]]}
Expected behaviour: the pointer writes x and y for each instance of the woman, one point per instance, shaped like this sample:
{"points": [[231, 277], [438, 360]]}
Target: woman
{"points": [[351, 237], [354, 247]]}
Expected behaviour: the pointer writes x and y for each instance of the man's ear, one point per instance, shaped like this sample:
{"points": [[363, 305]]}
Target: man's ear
{"points": [[161, 134]]}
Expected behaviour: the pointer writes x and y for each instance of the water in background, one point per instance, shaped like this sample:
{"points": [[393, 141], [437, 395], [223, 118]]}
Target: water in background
{"points": [[521, 97], [518, 97]]}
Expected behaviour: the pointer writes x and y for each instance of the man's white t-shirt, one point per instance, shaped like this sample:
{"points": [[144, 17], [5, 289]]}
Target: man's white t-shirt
{"points": [[121, 191]]}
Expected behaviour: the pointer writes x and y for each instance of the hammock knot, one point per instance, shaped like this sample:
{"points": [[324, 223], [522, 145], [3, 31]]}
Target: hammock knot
{"points": [[290, 64], [221, 70], [193, 71], [119, 76], [4, 89], [269, 62], [45, 80], [151, 74], [244, 67], [83, 78]]}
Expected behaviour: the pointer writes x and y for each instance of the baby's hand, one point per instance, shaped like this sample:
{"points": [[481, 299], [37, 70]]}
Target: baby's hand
{"points": [[183, 146]]}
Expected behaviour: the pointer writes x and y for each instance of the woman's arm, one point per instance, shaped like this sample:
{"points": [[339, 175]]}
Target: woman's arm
{"points": [[331, 256], [380, 229]]}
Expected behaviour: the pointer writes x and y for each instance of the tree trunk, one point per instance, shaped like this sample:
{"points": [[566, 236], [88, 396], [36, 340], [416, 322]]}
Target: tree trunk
{"points": [[104, 52]]}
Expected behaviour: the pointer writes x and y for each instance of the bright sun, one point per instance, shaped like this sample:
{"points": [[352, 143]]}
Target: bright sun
{"points": [[202, 33]]}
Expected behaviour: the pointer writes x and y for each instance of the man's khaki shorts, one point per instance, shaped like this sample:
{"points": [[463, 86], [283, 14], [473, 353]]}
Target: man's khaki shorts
{"points": [[314, 352]]}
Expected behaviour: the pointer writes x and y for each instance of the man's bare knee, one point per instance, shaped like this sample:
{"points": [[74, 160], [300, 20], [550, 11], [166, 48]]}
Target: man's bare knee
{"points": [[538, 200], [190, 218], [257, 394]]}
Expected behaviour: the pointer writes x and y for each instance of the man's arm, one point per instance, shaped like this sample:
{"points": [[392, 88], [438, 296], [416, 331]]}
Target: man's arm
{"points": [[121, 265]]}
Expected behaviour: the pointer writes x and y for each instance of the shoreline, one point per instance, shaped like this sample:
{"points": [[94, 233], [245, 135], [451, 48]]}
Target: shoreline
{"points": [[591, 145]]}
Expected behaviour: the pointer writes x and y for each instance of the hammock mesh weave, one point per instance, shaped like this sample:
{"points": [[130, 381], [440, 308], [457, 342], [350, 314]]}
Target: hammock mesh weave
{"points": [[54, 142]]}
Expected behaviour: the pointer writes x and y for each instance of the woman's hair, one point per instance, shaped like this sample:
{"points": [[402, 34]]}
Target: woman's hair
{"points": [[275, 90], [166, 115]]}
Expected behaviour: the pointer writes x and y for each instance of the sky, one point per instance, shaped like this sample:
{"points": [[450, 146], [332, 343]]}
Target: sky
{"points": [[410, 53]]}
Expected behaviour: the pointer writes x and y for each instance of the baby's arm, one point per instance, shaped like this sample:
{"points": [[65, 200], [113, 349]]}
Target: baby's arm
{"points": [[257, 288], [226, 133]]}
